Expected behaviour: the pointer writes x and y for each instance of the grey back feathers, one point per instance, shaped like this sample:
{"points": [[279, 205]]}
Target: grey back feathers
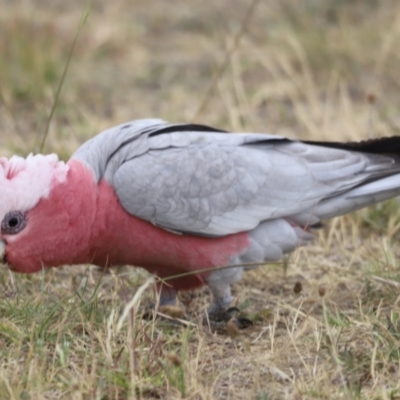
{"points": [[196, 180]]}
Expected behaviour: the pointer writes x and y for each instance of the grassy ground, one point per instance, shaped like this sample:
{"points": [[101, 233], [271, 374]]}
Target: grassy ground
{"points": [[327, 321]]}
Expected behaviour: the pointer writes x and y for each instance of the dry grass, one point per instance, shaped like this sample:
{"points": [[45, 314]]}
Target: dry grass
{"points": [[303, 69]]}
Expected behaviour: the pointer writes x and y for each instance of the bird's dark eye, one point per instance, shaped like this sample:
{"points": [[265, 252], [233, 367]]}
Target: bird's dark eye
{"points": [[13, 222]]}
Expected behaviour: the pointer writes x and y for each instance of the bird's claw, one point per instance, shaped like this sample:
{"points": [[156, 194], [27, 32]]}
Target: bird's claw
{"points": [[221, 315], [244, 322], [218, 320]]}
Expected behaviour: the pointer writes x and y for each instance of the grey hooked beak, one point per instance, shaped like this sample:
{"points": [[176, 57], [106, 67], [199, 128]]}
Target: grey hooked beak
{"points": [[2, 250]]}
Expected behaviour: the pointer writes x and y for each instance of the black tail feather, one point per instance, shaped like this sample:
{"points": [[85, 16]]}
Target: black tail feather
{"points": [[385, 145]]}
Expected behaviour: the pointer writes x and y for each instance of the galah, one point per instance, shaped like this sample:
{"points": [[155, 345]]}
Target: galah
{"points": [[178, 198]]}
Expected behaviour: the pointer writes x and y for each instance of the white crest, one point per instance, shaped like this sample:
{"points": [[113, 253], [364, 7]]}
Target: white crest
{"points": [[24, 181]]}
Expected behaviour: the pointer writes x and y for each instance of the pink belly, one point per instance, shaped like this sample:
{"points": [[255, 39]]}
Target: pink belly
{"points": [[121, 238]]}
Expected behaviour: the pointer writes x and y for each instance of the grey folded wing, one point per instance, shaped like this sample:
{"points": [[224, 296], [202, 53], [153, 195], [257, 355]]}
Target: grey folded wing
{"points": [[212, 183]]}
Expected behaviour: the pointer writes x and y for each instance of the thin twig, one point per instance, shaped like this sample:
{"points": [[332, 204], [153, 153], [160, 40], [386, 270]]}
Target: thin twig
{"points": [[224, 65], [84, 17], [388, 282]]}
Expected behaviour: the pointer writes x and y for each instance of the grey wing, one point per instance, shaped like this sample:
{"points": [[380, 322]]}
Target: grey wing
{"points": [[218, 184]]}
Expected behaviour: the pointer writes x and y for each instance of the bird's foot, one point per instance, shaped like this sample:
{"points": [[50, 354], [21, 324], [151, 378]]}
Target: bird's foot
{"points": [[219, 319]]}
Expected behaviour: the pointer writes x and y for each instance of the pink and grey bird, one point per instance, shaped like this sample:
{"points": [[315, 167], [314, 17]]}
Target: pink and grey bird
{"points": [[180, 198]]}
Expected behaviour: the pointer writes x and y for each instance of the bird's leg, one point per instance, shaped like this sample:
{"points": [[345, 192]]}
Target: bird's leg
{"points": [[167, 307], [167, 295], [220, 312], [219, 282], [219, 308]]}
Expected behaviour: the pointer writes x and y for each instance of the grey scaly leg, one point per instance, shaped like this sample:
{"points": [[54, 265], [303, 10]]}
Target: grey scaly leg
{"points": [[219, 283]]}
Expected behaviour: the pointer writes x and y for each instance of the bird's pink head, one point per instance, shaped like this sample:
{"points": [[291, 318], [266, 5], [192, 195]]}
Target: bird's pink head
{"points": [[24, 181], [38, 205]]}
